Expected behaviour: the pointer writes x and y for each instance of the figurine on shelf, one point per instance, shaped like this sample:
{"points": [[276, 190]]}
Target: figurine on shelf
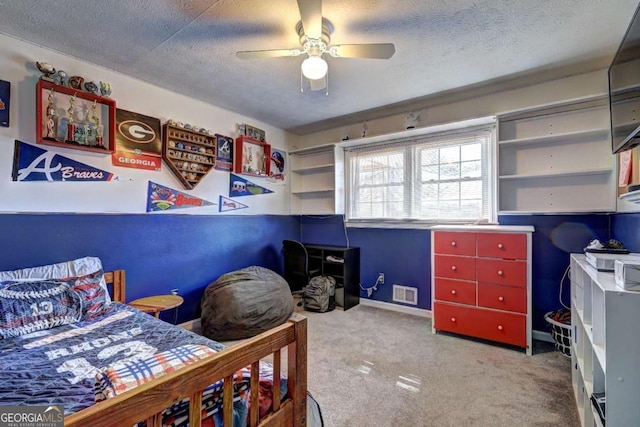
{"points": [[76, 82], [91, 87], [98, 128], [71, 124], [51, 121], [61, 78], [105, 89], [46, 69]]}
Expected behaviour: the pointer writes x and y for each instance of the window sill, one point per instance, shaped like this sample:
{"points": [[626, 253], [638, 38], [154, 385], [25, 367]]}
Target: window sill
{"points": [[412, 225]]}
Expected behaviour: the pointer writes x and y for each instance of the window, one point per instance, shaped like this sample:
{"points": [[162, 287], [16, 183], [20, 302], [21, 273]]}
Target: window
{"points": [[433, 177]]}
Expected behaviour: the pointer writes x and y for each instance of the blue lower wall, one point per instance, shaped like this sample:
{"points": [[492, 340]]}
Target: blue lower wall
{"points": [[626, 228], [404, 255], [162, 252], [158, 252]]}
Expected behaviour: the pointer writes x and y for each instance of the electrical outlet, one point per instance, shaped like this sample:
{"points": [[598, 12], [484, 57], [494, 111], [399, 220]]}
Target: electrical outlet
{"points": [[174, 291], [380, 279]]}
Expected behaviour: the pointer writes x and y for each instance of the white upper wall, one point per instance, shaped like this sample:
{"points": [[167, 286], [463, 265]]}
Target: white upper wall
{"points": [[569, 88], [17, 62]]}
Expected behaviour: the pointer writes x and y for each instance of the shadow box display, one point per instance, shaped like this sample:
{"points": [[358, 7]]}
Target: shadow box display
{"points": [[70, 118], [251, 157], [190, 154]]}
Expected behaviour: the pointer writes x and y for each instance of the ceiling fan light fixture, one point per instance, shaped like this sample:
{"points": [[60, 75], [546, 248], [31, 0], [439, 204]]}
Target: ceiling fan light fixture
{"points": [[314, 67]]}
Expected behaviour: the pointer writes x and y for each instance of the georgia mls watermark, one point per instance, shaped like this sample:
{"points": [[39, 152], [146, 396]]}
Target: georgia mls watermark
{"points": [[32, 416]]}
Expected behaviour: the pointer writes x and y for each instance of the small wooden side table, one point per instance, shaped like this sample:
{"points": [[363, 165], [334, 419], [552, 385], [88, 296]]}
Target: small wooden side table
{"points": [[155, 304]]}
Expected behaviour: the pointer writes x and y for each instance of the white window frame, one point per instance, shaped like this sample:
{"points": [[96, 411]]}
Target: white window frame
{"points": [[431, 131]]}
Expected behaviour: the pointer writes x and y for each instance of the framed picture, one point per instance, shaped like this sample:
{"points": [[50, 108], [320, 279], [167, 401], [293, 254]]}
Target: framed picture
{"points": [[254, 133], [252, 157], [5, 100]]}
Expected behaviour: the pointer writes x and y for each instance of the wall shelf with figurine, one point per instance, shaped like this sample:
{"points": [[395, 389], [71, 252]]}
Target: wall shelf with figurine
{"points": [[251, 157], [70, 118], [190, 154]]}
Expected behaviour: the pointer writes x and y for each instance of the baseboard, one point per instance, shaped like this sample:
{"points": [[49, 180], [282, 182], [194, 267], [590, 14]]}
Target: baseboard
{"points": [[542, 336], [191, 325], [396, 307]]}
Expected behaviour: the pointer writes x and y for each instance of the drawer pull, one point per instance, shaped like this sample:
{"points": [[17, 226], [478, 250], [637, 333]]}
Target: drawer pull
{"points": [[453, 291], [454, 268], [453, 244], [500, 272], [500, 298], [453, 319], [500, 246], [500, 327]]}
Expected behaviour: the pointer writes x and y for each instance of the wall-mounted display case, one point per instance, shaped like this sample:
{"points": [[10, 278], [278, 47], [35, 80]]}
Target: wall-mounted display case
{"points": [[70, 118], [190, 154], [251, 157]]}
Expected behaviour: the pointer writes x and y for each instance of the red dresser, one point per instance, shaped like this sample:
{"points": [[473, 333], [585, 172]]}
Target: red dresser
{"points": [[481, 282]]}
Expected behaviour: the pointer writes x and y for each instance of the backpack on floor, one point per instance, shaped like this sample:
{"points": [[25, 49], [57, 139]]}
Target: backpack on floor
{"points": [[319, 294]]}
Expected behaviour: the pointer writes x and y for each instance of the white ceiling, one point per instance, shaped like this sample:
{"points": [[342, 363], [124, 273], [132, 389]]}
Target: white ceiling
{"points": [[190, 45]]}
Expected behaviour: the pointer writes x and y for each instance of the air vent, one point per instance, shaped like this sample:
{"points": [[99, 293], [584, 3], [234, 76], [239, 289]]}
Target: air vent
{"points": [[405, 294]]}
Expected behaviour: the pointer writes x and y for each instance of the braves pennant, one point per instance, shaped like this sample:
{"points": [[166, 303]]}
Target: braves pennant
{"points": [[161, 198], [239, 186], [225, 204], [31, 163]]}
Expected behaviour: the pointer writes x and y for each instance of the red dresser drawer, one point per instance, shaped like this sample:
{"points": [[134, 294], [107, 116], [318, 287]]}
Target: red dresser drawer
{"points": [[502, 272], [454, 243], [502, 245], [455, 291], [502, 297], [455, 267], [508, 328]]}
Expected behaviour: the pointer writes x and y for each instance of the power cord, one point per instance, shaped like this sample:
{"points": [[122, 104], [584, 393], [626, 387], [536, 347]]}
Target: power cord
{"points": [[567, 273], [372, 288]]}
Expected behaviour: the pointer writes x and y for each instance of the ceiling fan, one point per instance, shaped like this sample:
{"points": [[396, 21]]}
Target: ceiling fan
{"points": [[315, 37]]}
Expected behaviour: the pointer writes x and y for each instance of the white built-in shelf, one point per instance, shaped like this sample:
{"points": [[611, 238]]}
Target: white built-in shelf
{"points": [[557, 159], [317, 180], [632, 196], [555, 138], [314, 169], [315, 190], [595, 171]]}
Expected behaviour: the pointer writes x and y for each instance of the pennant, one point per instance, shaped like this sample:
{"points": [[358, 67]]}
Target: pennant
{"points": [[225, 204], [138, 141], [161, 198], [31, 163], [239, 186], [224, 153]]}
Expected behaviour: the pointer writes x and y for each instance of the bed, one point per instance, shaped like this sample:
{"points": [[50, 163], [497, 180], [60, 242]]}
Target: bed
{"points": [[55, 366]]}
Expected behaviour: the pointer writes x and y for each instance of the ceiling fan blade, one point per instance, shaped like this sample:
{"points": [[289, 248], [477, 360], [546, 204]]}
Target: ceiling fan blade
{"points": [[375, 50], [311, 16], [272, 53], [318, 84]]}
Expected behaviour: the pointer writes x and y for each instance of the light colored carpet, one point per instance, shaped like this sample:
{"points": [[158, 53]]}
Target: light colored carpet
{"points": [[369, 367], [373, 367]]}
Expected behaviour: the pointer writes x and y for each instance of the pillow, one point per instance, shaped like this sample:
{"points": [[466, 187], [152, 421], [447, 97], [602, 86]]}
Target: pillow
{"points": [[95, 298], [121, 377], [77, 267], [26, 307]]}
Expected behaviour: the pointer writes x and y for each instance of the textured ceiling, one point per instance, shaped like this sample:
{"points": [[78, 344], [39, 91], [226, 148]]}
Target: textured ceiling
{"points": [[190, 45]]}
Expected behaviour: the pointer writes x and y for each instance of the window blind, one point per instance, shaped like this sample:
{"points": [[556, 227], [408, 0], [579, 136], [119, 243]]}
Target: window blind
{"points": [[443, 177]]}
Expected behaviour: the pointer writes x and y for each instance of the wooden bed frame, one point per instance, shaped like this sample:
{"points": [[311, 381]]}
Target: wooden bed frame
{"points": [[148, 401]]}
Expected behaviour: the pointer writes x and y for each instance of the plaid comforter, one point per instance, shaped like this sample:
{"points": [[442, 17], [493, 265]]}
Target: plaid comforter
{"points": [[59, 365]]}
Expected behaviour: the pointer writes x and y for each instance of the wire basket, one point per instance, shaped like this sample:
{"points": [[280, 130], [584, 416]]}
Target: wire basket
{"points": [[561, 334]]}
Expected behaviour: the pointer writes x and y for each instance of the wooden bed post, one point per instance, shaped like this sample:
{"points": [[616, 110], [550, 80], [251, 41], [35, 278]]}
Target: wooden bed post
{"points": [[297, 370]]}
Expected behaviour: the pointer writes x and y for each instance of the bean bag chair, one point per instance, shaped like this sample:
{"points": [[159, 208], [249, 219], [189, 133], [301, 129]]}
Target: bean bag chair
{"points": [[244, 303]]}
